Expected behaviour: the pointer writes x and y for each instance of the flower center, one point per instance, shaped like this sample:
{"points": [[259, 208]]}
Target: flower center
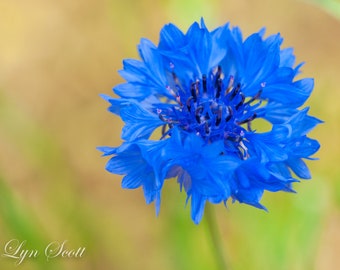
{"points": [[214, 108]]}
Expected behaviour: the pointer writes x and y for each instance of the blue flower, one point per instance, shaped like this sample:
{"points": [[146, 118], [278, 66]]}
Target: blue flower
{"points": [[198, 96]]}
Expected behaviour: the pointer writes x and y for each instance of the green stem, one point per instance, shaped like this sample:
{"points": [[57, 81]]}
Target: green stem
{"points": [[215, 237]]}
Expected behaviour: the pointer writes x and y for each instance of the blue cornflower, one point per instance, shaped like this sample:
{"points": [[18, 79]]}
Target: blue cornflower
{"points": [[200, 95]]}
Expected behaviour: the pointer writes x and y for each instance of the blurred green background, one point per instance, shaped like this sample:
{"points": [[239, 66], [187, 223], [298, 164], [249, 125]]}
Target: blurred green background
{"points": [[56, 57]]}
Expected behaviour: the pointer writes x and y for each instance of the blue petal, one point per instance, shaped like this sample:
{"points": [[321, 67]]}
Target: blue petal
{"points": [[287, 58], [171, 38], [279, 170], [197, 207], [133, 90], [218, 46], [235, 45], [136, 178], [153, 60], [143, 78], [262, 32], [293, 95], [262, 57], [300, 123], [304, 147], [139, 122], [267, 146], [140, 162], [115, 103], [107, 150], [134, 71], [276, 113], [203, 26], [156, 153], [305, 87], [250, 196], [299, 167], [200, 44], [261, 178], [183, 178], [254, 52], [281, 75], [125, 162]]}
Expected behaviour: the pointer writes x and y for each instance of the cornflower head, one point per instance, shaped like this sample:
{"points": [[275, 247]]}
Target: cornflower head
{"points": [[200, 95]]}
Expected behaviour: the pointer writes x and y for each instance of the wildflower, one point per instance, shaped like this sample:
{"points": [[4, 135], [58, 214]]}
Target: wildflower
{"points": [[200, 94]]}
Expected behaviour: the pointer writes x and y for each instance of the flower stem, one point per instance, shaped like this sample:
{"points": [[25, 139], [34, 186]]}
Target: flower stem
{"points": [[215, 237]]}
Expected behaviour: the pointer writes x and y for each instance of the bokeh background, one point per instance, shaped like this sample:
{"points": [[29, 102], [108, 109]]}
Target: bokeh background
{"points": [[56, 57]]}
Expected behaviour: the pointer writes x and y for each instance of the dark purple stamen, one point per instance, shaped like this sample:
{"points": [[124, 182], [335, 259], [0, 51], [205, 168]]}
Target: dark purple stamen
{"points": [[204, 82], [219, 88], [247, 120], [193, 91], [235, 91], [219, 116], [257, 96], [209, 111], [230, 114], [241, 102], [198, 114], [188, 103]]}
